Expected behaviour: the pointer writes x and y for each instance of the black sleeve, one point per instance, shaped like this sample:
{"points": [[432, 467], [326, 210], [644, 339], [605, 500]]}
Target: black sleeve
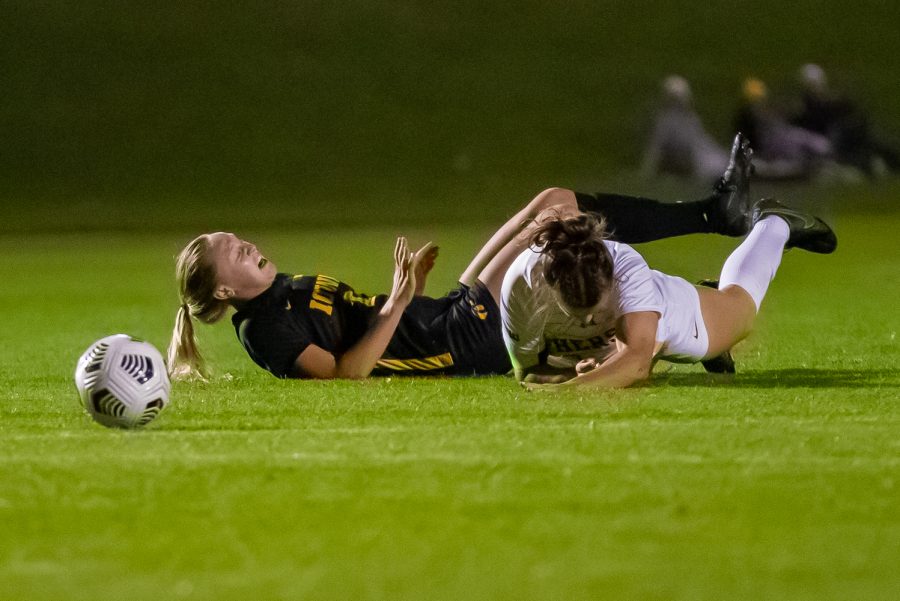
{"points": [[274, 344]]}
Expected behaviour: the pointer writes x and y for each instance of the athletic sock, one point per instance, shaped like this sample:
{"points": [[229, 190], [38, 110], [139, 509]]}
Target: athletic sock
{"points": [[632, 219], [753, 264]]}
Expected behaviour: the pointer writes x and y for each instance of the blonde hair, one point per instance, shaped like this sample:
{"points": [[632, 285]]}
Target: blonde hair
{"points": [[196, 277]]}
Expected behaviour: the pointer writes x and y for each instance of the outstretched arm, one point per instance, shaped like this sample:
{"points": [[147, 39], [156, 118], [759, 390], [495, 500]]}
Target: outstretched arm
{"points": [[631, 363], [360, 359]]}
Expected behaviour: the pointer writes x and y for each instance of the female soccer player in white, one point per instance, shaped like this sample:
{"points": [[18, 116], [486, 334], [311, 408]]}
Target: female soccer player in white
{"points": [[317, 327], [581, 310]]}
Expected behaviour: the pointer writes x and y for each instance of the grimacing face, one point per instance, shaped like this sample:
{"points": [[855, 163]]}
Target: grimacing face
{"points": [[241, 270]]}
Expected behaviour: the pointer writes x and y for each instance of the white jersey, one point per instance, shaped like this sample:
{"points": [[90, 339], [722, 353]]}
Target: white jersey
{"points": [[534, 324]]}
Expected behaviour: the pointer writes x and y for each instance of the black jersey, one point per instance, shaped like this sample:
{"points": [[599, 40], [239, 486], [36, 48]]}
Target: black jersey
{"points": [[455, 334]]}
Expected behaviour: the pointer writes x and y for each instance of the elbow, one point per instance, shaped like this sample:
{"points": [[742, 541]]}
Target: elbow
{"points": [[351, 374], [346, 369], [641, 375], [639, 372], [645, 366]]}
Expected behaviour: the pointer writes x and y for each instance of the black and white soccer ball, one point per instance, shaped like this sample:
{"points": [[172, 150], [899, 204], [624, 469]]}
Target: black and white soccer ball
{"points": [[122, 381]]}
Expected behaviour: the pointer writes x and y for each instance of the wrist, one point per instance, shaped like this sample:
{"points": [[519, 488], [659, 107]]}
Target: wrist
{"points": [[394, 304]]}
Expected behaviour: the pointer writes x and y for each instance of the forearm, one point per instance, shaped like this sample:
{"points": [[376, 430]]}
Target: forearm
{"points": [[620, 370], [545, 374], [360, 359], [420, 285], [636, 346]]}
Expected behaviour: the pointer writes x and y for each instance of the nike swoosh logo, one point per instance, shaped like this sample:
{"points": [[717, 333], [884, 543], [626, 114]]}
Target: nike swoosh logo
{"points": [[696, 331]]}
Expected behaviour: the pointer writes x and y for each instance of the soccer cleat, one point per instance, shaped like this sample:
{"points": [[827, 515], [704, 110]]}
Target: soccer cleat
{"points": [[807, 231], [724, 363], [730, 211]]}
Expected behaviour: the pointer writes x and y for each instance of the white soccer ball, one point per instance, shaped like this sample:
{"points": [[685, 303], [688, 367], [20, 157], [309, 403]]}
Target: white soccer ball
{"points": [[122, 381]]}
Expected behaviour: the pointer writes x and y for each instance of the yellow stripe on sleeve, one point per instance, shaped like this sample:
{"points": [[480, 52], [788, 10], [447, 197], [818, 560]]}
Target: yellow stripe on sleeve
{"points": [[422, 364]]}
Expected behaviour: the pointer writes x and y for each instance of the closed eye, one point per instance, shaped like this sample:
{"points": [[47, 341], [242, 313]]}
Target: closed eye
{"points": [[239, 251]]}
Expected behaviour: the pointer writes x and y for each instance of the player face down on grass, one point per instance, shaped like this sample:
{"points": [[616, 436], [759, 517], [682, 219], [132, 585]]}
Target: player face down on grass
{"points": [[607, 317]]}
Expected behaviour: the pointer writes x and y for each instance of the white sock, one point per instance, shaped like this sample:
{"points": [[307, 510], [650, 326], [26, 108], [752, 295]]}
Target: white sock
{"points": [[753, 264]]}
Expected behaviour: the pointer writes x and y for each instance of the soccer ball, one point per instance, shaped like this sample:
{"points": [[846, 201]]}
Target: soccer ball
{"points": [[122, 381]]}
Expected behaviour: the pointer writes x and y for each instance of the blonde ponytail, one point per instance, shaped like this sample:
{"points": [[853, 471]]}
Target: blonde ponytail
{"points": [[197, 284], [184, 358]]}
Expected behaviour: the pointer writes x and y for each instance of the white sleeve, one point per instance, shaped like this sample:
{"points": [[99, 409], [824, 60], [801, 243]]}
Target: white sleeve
{"points": [[634, 280], [523, 329]]}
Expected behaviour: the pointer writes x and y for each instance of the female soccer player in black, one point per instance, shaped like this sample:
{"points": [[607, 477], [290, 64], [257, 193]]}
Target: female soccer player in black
{"points": [[318, 327]]}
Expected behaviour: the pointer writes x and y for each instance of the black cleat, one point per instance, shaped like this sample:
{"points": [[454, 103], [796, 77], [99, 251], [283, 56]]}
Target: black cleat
{"points": [[807, 231], [724, 363], [730, 211]]}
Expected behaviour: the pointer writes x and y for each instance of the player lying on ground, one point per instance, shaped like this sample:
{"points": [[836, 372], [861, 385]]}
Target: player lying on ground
{"points": [[318, 327], [576, 295]]}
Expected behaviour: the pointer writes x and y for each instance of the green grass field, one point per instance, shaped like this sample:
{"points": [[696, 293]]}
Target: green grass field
{"points": [[780, 484], [321, 131]]}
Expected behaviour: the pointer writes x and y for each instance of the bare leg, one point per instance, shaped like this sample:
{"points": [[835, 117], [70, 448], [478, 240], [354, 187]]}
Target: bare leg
{"points": [[729, 312], [490, 264]]}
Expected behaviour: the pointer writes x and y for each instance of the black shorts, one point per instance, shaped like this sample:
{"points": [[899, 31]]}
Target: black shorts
{"points": [[473, 330]]}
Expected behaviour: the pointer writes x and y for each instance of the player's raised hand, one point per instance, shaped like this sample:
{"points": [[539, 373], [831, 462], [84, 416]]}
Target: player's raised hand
{"points": [[423, 263], [404, 276]]}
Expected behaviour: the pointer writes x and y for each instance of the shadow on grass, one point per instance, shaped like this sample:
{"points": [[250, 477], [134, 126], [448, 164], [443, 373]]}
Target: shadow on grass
{"points": [[789, 378]]}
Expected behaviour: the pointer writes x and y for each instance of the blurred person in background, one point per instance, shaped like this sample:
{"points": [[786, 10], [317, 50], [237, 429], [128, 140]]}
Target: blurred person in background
{"points": [[679, 143], [787, 150], [844, 123]]}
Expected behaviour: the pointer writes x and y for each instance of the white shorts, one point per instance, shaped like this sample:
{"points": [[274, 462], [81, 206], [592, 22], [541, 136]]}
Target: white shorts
{"points": [[681, 329]]}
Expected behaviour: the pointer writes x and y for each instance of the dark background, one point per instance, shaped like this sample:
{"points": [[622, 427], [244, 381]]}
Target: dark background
{"points": [[124, 115]]}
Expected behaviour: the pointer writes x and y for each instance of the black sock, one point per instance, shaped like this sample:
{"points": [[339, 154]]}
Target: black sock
{"points": [[632, 219]]}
